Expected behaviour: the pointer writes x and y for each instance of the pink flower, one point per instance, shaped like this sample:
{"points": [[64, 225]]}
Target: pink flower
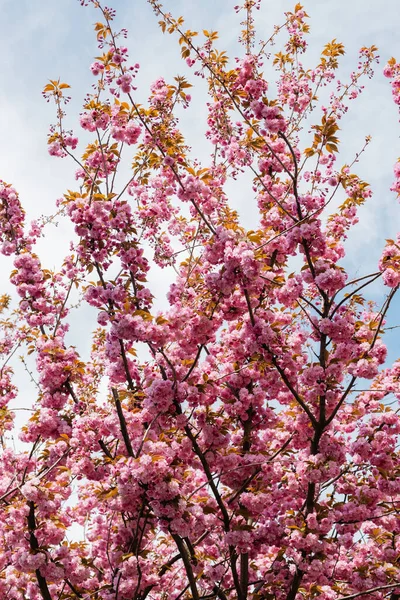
{"points": [[97, 68], [55, 149]]}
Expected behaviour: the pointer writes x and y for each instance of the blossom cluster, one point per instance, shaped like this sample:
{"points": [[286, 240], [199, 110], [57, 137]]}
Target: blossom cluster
{"points": [[242, 441]]}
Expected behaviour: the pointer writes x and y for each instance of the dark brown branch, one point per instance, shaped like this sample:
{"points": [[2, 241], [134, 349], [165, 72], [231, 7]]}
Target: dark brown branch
{"points": [[73, 588], [246, 295], [193, 366], [219, 593], [105, 449], [384, 311], [294, 588], [244, 574], [34, 545], [188, 566], [290, 387], [342, 399], [122, 423], [370, 591], [71, 391], [126, 366], [346, 298]]}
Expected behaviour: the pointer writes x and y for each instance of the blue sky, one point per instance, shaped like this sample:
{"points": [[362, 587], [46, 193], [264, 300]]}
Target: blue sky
{"points": [[54, 38]]}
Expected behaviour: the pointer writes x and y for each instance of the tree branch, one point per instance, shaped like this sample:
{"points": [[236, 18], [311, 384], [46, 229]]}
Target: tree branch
{"points": [[34, 545], [370, 591]]}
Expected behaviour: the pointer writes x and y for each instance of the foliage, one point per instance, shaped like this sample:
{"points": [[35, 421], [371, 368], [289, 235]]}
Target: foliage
{"points": [[237, 451]]}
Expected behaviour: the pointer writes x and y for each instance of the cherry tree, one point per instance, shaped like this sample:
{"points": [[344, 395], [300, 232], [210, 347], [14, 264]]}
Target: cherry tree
{"points": [[242, 442]]}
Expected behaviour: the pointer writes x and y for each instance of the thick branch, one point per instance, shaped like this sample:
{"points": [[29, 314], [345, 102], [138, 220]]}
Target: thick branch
{"points": [[188, 567], [122, 423], [294, 588], [34, 545]]}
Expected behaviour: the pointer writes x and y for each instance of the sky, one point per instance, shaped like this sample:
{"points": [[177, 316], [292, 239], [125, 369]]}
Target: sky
{"points": [[54, 38]]}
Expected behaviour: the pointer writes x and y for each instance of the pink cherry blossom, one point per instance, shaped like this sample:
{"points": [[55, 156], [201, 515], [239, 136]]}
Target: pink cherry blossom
{"points": [[240, 439]]}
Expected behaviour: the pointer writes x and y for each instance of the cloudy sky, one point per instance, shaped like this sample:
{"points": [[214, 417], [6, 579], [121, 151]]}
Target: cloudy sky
{"points": [[54, 38]]}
